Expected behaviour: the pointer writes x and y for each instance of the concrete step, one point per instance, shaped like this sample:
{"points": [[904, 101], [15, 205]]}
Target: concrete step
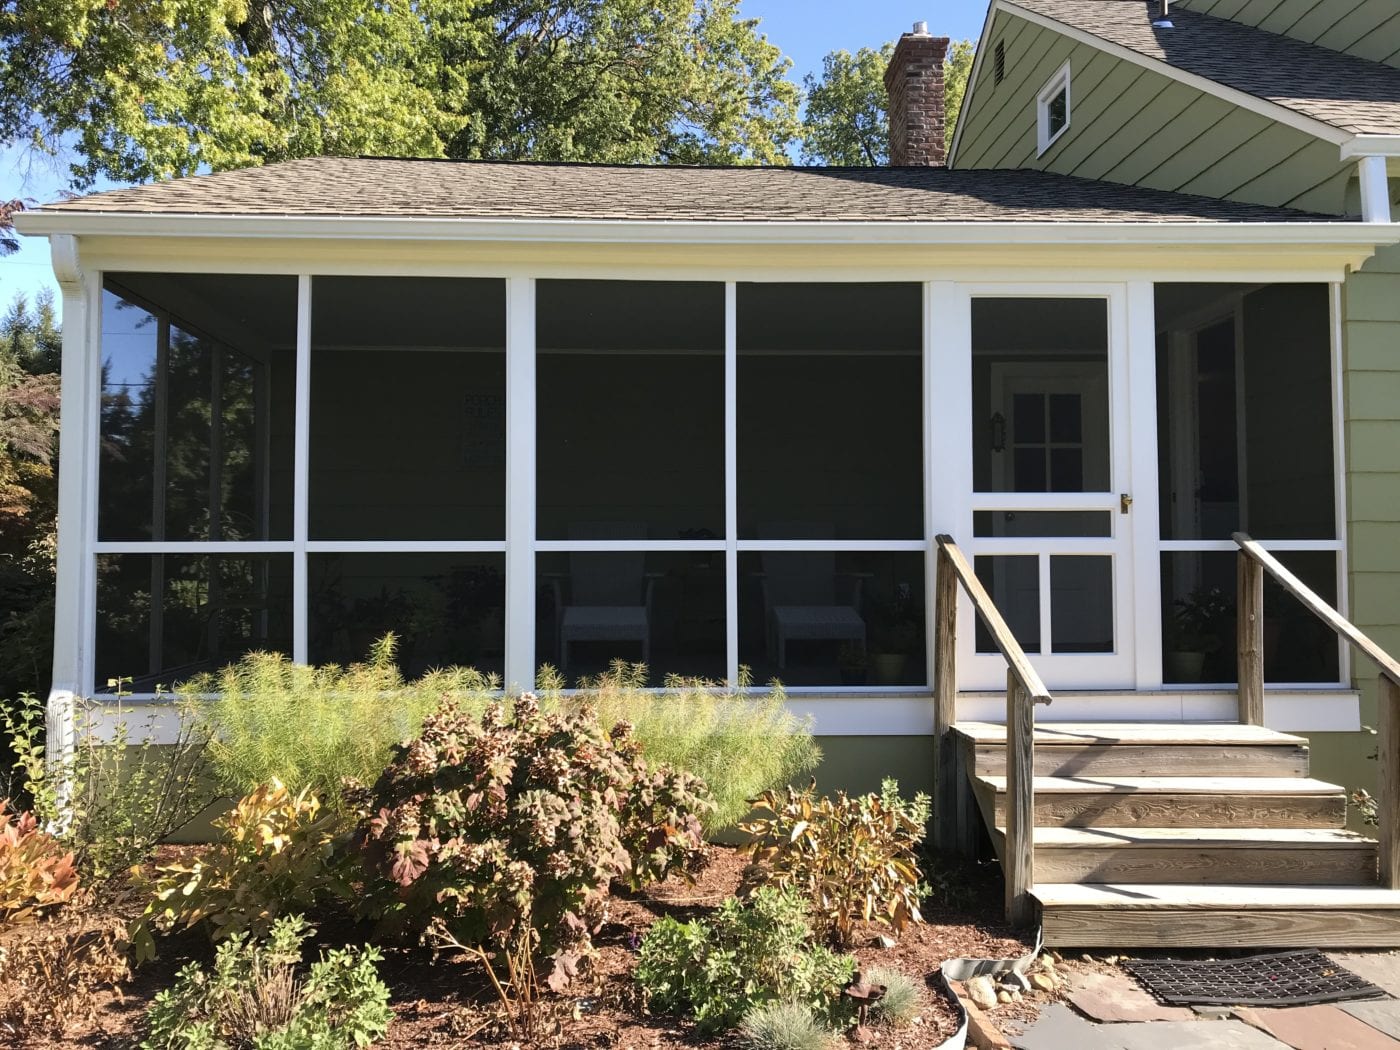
{"points": [[1155, 915], [1191, 856]]}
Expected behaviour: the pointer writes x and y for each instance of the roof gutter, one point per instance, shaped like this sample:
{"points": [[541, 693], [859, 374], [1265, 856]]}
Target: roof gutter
{"points": [[622, 231]]}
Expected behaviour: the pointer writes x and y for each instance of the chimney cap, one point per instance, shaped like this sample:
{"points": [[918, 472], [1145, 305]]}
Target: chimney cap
{"points": [[921, 29]]}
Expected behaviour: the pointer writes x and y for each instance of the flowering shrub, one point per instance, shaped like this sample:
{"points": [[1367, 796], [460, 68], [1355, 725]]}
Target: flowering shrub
{"points": [[36, 872], [854, 858], [509, 829]]}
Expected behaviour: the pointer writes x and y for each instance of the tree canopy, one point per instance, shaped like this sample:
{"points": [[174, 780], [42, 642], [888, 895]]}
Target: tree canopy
{"points": [[847, 122], [151, 89]]}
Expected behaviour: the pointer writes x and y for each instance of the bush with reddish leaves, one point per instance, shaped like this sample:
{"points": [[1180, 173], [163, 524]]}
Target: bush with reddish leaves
{"points": [[509, 829], [36, 872]]}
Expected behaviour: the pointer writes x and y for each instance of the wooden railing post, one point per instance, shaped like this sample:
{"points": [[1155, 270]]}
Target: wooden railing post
{"points": [[945, 706], [1388, 787], [1249, 639], [1018, 858]]}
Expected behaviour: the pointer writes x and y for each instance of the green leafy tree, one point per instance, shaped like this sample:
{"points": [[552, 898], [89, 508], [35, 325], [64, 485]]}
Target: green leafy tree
{"points": [[30, 345], [151, 89], [846, 121]]}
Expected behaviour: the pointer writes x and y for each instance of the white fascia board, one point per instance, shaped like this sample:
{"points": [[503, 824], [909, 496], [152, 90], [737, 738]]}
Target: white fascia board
{"points": [[1272, 110], [623, 232], [984, 43], [1371, 146]]}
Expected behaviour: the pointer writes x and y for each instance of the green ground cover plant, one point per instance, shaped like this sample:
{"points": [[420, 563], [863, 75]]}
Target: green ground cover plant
{"points": [[747, 954], [900, 1003], [739, 743], [784, 1026], [258, 995], [855, 859]]}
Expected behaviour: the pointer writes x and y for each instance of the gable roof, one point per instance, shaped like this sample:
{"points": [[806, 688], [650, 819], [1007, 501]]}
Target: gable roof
{"points": [[377, 187], [1350, 94]]}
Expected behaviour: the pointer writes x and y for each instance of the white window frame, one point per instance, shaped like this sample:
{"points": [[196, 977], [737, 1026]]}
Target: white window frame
{"points": [[1059, 81]]}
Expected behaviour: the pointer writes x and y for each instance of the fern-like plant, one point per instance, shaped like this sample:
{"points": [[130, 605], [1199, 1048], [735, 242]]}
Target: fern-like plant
{"points": [[316, 727], [738, 743]]}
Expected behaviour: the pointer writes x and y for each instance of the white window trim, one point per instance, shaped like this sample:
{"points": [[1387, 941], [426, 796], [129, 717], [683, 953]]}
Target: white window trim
{"points": [[1059, 81]]}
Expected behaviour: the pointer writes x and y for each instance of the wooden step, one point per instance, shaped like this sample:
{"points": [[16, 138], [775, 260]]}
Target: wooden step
{"points": [[1172, 802], [1144, 749], [1153, 915], [1311, 856]]}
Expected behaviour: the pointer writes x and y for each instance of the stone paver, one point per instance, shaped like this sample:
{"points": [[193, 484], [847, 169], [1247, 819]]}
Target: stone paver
{"points": [[1380, 968], [1059, 1028], [1116, 997], [1197, 1035], [1381, 1014], [1322, 1027]]}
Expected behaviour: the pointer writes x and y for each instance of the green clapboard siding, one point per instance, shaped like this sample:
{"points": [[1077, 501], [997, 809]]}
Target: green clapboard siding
{"points": [[1137, 126], [1365, 28], [1371, 391]]}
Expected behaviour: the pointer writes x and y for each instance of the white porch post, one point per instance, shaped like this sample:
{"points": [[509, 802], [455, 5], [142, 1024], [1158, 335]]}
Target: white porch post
{"points": [[520, 483], [74, 614], [1143, 518], [1375, 189]]}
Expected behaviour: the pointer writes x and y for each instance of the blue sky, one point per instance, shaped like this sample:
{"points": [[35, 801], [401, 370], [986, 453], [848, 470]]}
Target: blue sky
{"points": [[804, 29]]}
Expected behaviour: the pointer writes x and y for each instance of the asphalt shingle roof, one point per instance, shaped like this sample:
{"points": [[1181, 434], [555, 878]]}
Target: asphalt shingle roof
{"points": [[1349, 93], [365, 187]]}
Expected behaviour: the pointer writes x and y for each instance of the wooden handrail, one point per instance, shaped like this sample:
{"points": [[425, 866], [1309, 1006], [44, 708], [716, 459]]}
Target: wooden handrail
{"points": [[1254, 561], [1024, 690]]}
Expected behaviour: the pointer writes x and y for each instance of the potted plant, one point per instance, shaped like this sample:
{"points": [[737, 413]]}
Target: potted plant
{"points": [[1200, 624], [895, 631], [853, 661]]}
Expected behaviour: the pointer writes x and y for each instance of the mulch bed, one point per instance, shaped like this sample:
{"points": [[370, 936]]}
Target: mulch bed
{"points": [[446, 1002]]}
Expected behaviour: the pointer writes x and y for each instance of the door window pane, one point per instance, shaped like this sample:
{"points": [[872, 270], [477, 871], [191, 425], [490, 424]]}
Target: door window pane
{"points": [[822, 618], [1013, 581], [1244, 406], [991, 523], [1040, 420], [163, 618], [830, 409], [197, 403], [448, 610], [408, 409], [665, 610], [1081, 604], [630, 409]]}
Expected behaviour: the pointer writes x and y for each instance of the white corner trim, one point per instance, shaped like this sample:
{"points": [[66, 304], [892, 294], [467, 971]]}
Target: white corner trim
{"points": [[1375, 188], [1059, 82], [1253, 103]]}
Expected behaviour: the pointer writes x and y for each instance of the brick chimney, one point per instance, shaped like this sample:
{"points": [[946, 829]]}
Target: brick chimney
{"points": [[914, 81]]}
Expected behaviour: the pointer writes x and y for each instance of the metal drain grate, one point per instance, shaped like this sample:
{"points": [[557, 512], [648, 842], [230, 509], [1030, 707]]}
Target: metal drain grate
{"points": [[1282, 979]]}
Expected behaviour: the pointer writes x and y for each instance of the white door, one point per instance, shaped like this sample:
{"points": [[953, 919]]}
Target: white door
{"points": [[1047, 517]]}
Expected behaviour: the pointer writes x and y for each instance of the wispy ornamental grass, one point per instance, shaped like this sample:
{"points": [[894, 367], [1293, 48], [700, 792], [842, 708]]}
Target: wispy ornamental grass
{"points": [[740, 743], [318, 726]]}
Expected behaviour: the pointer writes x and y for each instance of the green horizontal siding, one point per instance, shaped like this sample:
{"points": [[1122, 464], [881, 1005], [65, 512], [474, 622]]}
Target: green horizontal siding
{"points": [[1133, 125]]}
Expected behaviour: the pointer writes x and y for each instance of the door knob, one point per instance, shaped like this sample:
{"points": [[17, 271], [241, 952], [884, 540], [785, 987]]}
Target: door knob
{"points": [[1124, 502]]}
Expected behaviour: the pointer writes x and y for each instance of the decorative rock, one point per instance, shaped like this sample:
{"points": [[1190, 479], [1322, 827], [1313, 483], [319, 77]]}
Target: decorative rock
{"points": [[1004, 996], [982, 992], [1043, 982]]}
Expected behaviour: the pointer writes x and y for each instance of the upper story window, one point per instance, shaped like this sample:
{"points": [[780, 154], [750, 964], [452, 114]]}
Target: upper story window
{"points": [[1052, 110]]}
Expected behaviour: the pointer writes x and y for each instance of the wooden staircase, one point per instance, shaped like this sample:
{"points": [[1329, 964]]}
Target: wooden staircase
{"points": [[1133, 834], [1208, 834]]}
